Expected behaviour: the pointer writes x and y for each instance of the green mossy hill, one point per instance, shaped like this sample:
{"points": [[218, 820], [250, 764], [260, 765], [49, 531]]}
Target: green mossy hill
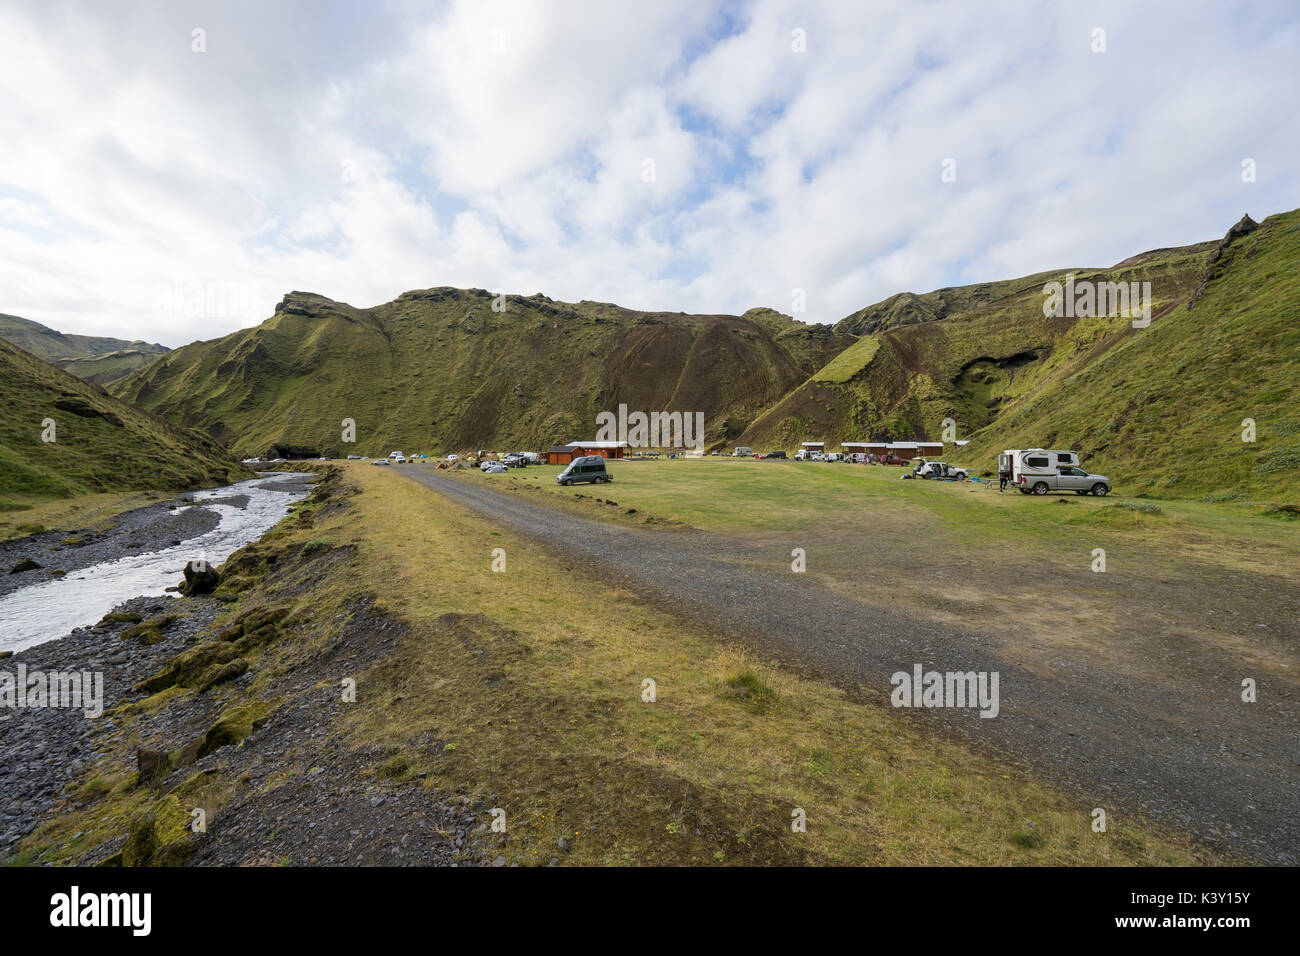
{"points": [[1159, 408], [441, 369], [101, 444]]}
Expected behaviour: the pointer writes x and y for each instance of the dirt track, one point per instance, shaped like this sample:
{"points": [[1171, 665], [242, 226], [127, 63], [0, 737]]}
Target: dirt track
{"points": [[1202, 761]]}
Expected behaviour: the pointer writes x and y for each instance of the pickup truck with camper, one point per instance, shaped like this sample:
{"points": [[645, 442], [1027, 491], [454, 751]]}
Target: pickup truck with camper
{"points": [[1040, 470]]}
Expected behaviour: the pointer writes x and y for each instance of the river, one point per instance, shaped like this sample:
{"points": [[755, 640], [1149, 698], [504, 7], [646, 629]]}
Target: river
{"points": [[53, 607]]}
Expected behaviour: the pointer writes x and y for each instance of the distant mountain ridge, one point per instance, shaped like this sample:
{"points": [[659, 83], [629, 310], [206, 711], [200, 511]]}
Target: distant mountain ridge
{"points": [[94, 358], [443, 369], [462, 368]]}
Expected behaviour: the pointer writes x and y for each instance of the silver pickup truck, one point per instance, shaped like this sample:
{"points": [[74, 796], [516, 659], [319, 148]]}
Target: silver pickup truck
{"points": [[1066, 478]]}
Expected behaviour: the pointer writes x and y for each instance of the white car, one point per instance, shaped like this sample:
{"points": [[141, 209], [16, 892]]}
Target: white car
{"points": [[397, 457], [494, 468], [453, 457], [381, 461]]}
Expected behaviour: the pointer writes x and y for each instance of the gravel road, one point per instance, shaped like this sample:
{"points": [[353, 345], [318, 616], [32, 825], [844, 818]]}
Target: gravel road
{"points": [[1192, 756]]}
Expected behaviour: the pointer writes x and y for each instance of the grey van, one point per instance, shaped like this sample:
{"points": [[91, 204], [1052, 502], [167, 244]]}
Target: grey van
{"points": [[587, 468]]}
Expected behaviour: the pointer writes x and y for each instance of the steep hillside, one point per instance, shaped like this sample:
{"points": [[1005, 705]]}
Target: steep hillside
{"points": [[101, 444], [93, 358], [1164, 408], [1156, 407], [440, 369], [983, 347]]}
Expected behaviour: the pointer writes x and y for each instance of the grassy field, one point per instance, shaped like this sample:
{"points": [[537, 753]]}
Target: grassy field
{"points": [[1204, 582], [533, 679], [751, 497], [72, 514]]}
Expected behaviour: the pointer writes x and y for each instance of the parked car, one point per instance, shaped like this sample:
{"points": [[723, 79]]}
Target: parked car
{"points": [[397, 457], [588, 468], [1067, 478], [744, 451], [776, 454], [354, 457], [494, 468], [453, 457], [381, 461], [892, 460], [938, 469]]}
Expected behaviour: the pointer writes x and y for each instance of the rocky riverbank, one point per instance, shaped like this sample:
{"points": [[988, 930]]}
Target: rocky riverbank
{"points": [[45, 750], [227, 712]]}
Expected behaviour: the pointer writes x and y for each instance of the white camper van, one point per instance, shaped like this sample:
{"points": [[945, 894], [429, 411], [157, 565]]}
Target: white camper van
{"points": [[1039, 470], [1028, 463]]}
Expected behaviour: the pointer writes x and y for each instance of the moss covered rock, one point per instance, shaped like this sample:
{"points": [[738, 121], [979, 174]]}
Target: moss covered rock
{"points": [[187, 667], [220, 673], [155, 831], [234, 725]]}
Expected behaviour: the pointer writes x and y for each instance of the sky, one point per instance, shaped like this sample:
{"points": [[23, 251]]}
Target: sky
{"points": [[169, 170]]}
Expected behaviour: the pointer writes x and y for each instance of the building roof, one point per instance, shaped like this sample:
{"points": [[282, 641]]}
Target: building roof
{"points": [[805, 443], [597, 444], [558, 448]]}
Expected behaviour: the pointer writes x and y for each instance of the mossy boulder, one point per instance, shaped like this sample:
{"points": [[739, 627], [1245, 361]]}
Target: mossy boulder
{"points": [[151, 765], [150, 631], [262, 616], [220, 673], [258, 627], [189, 666], [154, 833], [235, 725]]}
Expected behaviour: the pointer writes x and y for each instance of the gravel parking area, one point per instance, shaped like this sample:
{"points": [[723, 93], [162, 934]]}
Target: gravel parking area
{"points": [[1201, 761]]}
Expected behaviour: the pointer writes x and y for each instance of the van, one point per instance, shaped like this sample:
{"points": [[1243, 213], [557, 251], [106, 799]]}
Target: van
{"points": [[1026, 464], [744, 451], [587, 468]]}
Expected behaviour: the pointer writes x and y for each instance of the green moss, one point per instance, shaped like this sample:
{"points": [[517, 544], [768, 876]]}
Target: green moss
{"points": [[750, 688], [187, 667], [314, 547], [234, 725]]}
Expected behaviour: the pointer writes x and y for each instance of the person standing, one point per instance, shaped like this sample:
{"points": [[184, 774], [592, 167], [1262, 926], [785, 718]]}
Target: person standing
{"points": [[1003, 478]]}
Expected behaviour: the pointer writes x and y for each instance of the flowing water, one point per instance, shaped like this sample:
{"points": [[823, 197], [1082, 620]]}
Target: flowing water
{"points": [[49, 610]]}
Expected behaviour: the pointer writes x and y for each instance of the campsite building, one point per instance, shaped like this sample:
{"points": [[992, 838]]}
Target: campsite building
{"points": [[903, 449], [563, 454], [558, 454], [812, 446]]}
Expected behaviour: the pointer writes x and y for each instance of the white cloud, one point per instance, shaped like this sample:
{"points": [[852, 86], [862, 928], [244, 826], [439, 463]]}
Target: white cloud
{"points": [[504, 145]]}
